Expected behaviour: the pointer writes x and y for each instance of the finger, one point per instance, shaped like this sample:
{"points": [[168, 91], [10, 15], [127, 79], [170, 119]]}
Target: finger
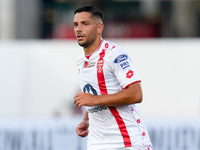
{"points": [[80, 126], [83, 125], [80, 131], [76, 98], [78, 103], [77, 95], [84, 133]]}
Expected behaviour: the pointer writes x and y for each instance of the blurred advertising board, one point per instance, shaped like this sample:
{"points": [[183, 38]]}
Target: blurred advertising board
{"points": [[60, 134]]}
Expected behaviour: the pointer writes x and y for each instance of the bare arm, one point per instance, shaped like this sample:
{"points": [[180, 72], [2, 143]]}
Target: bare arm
{"points": [[130, 95]]}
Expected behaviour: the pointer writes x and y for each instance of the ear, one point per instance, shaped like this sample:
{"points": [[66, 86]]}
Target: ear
{"points": [[100, 28]]}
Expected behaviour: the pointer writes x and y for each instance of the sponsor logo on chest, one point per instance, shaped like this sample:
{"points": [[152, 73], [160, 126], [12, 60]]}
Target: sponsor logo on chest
{"points": [[96, 109]]}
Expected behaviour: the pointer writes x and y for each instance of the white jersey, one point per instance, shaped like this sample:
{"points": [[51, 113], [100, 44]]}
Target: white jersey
{"points": [[107, 71]]}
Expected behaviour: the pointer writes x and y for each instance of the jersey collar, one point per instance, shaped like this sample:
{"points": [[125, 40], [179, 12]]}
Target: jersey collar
{"points": [[88, 56]]}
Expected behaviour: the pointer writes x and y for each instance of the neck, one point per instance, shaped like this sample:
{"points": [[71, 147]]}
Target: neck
{"points": [[90, 49]]}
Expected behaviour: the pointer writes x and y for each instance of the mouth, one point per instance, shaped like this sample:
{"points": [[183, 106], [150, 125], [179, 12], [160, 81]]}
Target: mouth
{"points": [[79, 37]]}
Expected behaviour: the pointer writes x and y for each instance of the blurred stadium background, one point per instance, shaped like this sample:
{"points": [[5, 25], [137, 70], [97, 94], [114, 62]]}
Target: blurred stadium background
{"points": [[39, 78]]}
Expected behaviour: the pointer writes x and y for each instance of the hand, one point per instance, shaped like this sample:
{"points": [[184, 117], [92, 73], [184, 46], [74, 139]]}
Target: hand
{"points": [[84, 99], [82, 128]]}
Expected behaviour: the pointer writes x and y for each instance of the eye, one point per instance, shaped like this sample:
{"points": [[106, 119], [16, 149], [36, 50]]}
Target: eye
{"points": [[86, 24], [75, 24]]}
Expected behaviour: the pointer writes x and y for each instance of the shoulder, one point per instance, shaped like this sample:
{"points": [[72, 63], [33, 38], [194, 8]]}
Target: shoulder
{"points": [[115, 52]]}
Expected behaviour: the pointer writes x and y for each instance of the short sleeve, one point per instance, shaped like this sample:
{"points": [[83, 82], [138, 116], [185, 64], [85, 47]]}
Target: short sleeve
{"points": [[122, 67]]}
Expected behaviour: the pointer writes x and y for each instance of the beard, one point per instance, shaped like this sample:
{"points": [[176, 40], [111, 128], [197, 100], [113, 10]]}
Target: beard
{"points": [[87, 43], [88, 40]]}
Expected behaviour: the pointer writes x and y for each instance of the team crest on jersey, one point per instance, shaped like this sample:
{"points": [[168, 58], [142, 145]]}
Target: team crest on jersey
{"points": [[100, 65], [121, 58]]}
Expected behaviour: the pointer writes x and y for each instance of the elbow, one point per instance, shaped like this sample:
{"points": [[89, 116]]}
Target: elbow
{"points": [[138, 98], [135, 93]]}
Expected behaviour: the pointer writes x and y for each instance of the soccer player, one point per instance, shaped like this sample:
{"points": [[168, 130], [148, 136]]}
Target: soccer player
{"points": [[110, 89]]}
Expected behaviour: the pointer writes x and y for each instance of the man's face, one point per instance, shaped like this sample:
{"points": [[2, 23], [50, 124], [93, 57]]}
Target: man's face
{"points": [[85, 29]]}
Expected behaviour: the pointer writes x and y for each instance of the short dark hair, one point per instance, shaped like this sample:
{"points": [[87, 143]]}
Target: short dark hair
{"points": [[91, 9]]}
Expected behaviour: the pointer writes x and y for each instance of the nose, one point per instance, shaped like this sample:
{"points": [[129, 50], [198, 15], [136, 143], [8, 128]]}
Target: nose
{"points": [[78, 28]]}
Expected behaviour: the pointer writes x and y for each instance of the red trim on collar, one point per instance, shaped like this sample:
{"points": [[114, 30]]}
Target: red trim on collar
{"points": [[88, 56]]}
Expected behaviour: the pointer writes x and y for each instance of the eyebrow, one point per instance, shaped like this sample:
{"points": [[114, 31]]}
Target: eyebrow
{"points": [[82, 21]]}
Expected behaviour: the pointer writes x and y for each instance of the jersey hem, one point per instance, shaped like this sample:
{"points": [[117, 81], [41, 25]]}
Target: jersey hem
{"points": [[114, 145]]}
